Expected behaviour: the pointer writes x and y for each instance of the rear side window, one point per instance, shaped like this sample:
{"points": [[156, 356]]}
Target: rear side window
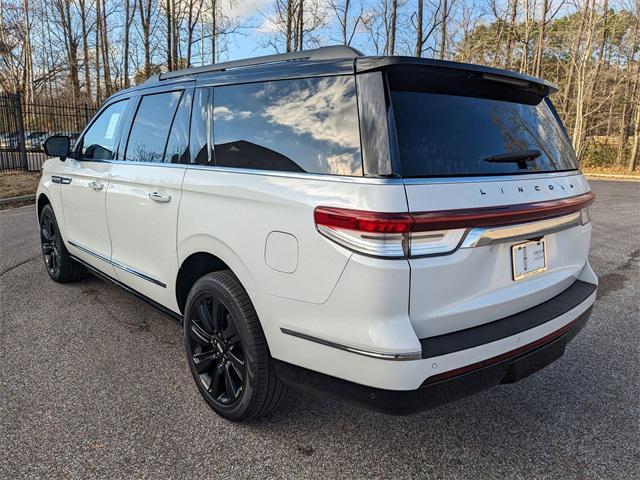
{"points": [[150, 128], [306, 125], [100, 139], [177, 150], [443, 134]]}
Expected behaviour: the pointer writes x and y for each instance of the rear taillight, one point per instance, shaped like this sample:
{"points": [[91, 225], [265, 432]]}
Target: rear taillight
{"points": [[392, 235], [401, 235]]}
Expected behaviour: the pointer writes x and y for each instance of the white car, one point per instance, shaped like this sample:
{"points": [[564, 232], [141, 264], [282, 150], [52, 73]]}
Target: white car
{"points": [[396, 231]]}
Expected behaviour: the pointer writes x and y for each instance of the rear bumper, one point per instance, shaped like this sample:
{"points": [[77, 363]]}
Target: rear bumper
{"points": [[507, 367]]}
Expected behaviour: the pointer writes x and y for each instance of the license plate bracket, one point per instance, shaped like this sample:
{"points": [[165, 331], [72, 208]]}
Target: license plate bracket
{"points": [[529, 258]]}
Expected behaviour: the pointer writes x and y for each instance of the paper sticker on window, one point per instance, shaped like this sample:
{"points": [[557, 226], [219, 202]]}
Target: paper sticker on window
{"points": [[111, 128]]}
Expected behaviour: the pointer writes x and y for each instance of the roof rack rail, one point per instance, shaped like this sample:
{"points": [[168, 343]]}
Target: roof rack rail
{"points": [[323, 53]]}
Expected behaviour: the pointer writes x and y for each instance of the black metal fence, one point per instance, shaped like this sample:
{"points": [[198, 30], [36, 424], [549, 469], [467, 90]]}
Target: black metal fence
{"points": [[25, 126]]}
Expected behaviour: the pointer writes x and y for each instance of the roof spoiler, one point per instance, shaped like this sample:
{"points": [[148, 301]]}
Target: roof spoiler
{"points": [[540, 86]]}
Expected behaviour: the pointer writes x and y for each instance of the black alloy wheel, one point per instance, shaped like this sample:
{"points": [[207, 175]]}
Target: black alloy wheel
{"points": [[216, 350], [60, 266], [227, 351], [50, 245]]}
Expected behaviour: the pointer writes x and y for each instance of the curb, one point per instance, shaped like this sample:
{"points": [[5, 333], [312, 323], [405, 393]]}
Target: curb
{"points": [[614, 176], [22, 198]]}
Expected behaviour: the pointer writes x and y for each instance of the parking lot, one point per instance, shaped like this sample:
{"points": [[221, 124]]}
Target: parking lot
{"points": [[94, 383]]}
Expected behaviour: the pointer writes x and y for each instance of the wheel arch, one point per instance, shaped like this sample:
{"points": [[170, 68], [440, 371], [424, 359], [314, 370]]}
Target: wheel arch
{"points": [[202, 254], [43, 200]]}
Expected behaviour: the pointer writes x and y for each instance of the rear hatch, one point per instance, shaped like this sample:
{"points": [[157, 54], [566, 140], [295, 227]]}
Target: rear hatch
{"points": [[490, 171]]}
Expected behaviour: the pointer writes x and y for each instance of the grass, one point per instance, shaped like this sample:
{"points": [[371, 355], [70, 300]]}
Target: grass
{"points": [[15, 184]]}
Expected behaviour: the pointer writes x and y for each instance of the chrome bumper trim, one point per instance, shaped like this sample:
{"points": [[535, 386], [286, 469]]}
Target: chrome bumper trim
{"points": [[357, 351]]}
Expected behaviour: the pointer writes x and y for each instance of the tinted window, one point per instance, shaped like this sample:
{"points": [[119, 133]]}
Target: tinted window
{"points": [[178, 145], [150, 127], [200, 152], [308, 125], [440, 134], [99, 141]]}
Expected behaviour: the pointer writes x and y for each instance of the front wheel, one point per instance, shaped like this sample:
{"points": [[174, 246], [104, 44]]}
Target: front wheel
{"points": [[60, 266], [227, 351]]}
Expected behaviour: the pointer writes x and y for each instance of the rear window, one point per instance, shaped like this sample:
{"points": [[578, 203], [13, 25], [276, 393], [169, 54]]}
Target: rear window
{"points": [[443, 134]]}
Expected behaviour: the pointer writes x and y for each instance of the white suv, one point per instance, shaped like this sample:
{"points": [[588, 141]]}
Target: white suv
{"points": [[397, 231]]}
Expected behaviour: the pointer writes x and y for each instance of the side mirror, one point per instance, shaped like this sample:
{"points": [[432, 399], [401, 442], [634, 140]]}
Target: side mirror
{"points": [[57, 146]]}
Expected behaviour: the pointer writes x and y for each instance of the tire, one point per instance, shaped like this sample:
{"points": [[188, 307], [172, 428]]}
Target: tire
{"points": [[60, 266], [227, 351]]}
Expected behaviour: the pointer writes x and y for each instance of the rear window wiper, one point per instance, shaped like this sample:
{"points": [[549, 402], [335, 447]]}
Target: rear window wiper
{"points": [[520, 157]]}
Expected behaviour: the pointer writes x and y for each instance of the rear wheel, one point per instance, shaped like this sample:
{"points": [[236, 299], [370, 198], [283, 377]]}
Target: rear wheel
{"points": [[60, 266], [227, 351]]}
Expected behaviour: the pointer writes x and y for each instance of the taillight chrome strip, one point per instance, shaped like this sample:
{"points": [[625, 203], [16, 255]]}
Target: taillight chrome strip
{"points": [[480, 236]]}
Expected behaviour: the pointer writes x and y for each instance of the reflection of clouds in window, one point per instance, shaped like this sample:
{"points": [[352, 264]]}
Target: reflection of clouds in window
{"points": [[226, 114], [343, 164], [308, 125], [322, 109]]}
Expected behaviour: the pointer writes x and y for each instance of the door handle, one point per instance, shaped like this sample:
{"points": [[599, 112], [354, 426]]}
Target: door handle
{"points": [[159, 197], [96, 186]]}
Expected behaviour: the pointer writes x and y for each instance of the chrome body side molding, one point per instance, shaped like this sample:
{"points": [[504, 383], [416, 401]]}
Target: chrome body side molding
{"points": [[119, 265]]}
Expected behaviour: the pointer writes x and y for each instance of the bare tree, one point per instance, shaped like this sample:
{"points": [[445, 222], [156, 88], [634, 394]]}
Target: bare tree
{"points": [[85, 47], [70, 43], [348, 25]]}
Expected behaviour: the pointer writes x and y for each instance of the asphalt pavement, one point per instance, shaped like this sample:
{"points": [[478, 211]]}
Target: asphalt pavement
{"points": [[94, 383]]}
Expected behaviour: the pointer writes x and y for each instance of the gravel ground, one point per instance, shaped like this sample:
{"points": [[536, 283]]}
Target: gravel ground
{"points": [[94, 383]]}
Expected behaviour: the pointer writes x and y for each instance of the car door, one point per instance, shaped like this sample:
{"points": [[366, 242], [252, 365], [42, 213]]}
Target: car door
{"points": [[144, 195], [84, 187]]}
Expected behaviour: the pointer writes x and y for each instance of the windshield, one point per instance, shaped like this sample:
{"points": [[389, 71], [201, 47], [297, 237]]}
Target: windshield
{"points": [[441, 134]]}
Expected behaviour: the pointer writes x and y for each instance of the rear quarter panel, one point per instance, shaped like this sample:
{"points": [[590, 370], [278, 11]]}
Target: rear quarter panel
{"points": [[231, 214]]}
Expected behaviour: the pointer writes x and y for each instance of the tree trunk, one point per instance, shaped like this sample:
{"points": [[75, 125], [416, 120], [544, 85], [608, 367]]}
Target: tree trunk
{"points": [[85, 48], [300, 40], [394, 21], [130, 11], [582, 83], [443, 30], [573, 60], [511, 29], [27, 77], [106, 69], [345, 20], [289, 24], [145, 21], [175, 43], [214, 29], [537, 69], [97, 56], [629, 93], [169, 36], [419, 12], [635, 148]]}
